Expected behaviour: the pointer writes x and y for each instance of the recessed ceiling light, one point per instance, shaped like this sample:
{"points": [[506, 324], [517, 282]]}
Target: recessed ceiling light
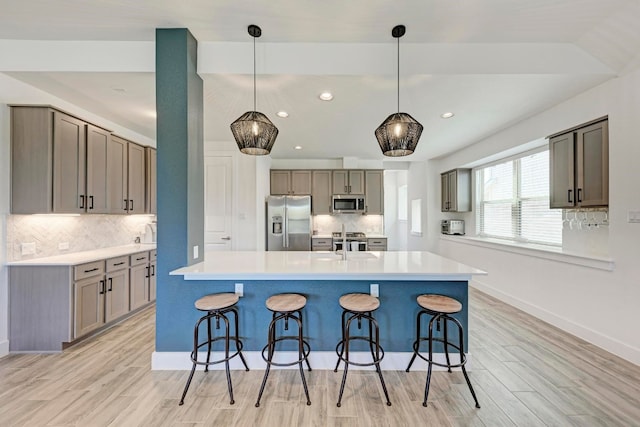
{"points": [[326, 96], [282, 114], [447, 115], [298, 147]]}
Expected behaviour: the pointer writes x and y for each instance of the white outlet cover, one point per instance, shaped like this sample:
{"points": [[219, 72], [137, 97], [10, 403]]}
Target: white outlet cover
{"points": [[196, 252], [28, 248]]}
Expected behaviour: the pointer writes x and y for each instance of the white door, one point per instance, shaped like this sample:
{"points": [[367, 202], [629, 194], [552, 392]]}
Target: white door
{"points": [[217, 202]]}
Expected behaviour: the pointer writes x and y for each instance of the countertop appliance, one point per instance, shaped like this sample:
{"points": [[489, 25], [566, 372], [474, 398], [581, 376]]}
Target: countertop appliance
{"points": [[356, 241], [452, 226], [288, 223], [347, 204]]}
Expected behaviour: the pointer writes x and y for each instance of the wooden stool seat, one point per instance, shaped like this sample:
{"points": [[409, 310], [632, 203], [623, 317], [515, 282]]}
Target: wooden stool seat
{"points": [[216, 301], [439, 304], [359, 303], [283, 303]]}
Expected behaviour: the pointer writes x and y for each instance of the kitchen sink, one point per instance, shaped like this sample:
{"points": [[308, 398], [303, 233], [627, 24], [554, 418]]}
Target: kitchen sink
{"points": [[332, 256]]}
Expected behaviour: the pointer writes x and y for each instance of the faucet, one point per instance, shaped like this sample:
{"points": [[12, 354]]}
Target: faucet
{"points": [[344, 243]]}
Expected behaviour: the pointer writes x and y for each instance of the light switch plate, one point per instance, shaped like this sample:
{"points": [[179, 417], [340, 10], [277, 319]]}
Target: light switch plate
{"points": [[28, 248], [633, 216], [240, 289], [195, 252], [63, 246], [374, 290]]}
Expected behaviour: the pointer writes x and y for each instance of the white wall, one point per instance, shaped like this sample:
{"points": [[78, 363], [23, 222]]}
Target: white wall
{"points": [[599, 306]]}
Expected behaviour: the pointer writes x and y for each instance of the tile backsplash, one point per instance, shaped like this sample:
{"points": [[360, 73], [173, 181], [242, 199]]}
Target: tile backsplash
{"points": [[80, 233], [368, 224]]}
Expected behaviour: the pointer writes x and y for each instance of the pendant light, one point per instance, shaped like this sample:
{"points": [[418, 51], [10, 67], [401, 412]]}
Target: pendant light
{"points": [[253, 131], [398, 135]]}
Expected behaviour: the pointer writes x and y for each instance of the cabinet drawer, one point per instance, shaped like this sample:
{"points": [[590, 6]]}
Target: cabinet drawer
{"points": [[89, 269], [377, 242], [119, 263], [322, 242], [153, 255], [139, 258]]}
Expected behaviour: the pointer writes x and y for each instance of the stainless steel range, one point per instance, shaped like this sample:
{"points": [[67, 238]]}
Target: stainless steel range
{"points": [[356, 241]]}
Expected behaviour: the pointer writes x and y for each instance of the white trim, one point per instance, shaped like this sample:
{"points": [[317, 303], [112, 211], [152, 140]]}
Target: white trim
{"points": [[538, 251], [4, 348], [325, 360], [607, 343]]}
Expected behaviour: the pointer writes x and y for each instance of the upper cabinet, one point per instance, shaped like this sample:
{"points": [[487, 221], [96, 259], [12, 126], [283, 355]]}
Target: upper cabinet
{"points": [[151, 204], [291, 182], [455, 189], [374, 192], [579, 167], [62, 164], [321, 192], [348, 181]]}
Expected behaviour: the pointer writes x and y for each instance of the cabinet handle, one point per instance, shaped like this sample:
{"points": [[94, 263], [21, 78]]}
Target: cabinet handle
{"points": [[148, 271], [140, 259], [101, 287], [126, 205], [153, 270], [110, 285], [118, 263], [82, 202], [569, 196], [579, 195], [91, 202], [131, 205], [93, 269]]}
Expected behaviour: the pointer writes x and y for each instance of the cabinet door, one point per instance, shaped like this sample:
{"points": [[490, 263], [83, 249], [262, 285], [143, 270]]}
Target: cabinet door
{"points": [[69, 162], [561, 171], [592, 174], [280, 182], [301, 183], [97, 154], [321, 193], [356, 182], [116, 295], [452, 178], [374, 194], [139, 286], [136, 179], [151, 205], [89, 305], [152, 281], [340, 182], [444, 192], [117, 175]]}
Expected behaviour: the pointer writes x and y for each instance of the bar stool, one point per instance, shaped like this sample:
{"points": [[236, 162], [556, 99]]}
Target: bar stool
{"points": [[216, 306], [285, 307], [359, 307], [440, 307]]}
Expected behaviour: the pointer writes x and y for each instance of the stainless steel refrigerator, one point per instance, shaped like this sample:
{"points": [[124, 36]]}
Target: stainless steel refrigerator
{"points": [[288, 223]]}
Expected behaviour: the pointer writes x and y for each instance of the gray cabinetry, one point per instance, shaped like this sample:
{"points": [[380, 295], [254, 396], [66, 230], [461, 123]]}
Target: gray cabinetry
{"points": [[117, 288], [321, 244], [455, 190], [98, 141], [136, 179], [151, 202], [291, 182], [117, 177], [139, 280], [374, 192], [377, 244], [152, 275], [321, 192], [579, 167], [348, 181], [69, 163], [89, 290]]}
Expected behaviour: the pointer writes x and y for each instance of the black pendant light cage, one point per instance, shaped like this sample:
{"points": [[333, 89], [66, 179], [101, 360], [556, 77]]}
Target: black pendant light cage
{"points": [[253, 131], [398, 135]]}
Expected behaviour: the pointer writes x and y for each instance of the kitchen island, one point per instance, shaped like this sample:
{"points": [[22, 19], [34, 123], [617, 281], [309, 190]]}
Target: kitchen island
{"points": [[322, 277]]}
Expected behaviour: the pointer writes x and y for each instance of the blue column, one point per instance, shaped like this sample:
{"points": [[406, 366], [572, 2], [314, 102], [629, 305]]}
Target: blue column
{"points": [[179, 106]]}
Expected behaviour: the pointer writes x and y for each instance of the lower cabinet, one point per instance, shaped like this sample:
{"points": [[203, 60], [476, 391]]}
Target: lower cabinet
{"points": [[51, 306], [377, 244]]}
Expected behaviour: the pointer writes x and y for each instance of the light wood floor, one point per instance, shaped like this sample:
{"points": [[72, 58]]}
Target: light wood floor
{"points": [[525, 373]]}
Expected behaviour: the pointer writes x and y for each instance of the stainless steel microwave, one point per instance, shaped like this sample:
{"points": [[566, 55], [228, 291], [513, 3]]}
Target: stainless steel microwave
{"points": [[347, 204]]}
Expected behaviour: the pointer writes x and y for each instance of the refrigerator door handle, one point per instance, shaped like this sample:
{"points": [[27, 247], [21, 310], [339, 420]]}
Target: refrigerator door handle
{"points": [[285, 234]]}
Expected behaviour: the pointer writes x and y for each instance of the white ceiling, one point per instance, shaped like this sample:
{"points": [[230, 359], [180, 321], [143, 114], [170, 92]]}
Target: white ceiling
{"points": [[492, 62]]}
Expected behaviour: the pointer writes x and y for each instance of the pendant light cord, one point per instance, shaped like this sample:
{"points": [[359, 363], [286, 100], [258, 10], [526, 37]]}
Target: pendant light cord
{"points": [[398, 74], [254, 74]]}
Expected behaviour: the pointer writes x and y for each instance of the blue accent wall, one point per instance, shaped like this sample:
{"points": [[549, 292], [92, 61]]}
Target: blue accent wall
{"points": [[179, 106]]}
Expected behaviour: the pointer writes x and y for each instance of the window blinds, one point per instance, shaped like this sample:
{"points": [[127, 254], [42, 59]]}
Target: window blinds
{"points": [[513, 201]]}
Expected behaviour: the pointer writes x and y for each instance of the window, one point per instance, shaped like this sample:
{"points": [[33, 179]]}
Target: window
{"points": [[513, 201], [402, 203], [416, 217]]}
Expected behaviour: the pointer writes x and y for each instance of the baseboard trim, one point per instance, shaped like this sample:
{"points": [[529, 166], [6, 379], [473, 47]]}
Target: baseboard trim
{"points": [[321, 360], [4, 348], [613, 346]]}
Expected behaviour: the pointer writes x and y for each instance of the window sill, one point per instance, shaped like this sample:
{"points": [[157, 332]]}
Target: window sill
{"points": [[538, 251]]}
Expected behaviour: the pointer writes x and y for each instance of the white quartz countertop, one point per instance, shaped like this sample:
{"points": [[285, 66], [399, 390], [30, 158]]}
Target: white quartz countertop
{"points": [[261, 265], [85, 256]]}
